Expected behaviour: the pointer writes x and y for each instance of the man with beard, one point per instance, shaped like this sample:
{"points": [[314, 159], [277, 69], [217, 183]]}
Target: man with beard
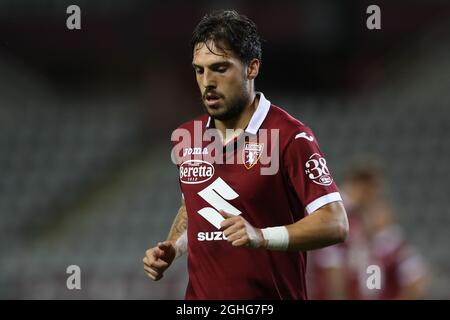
{"points": [[246, 231]]}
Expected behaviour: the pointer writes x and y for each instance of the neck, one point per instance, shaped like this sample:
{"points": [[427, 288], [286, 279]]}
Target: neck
{"points": [[239, 122]]}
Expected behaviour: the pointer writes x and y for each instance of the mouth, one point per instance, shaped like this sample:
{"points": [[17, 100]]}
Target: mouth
{"points": [[212, 99]]}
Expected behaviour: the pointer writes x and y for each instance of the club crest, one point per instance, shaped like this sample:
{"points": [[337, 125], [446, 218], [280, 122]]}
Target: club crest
{"points": [[251, 154]]}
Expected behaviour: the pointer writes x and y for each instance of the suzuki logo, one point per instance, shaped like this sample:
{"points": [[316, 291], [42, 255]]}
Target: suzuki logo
{"points": [[216, 195]]}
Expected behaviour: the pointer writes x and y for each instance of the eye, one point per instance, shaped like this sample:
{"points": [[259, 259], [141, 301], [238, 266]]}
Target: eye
{"points": [[198, 70], [222, 69]]}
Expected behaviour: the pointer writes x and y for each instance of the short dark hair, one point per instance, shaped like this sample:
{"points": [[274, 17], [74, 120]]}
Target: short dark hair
{"points": [[234, 30], [365, 169]]}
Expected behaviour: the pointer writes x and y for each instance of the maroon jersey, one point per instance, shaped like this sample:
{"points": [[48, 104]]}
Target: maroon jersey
{"points": [[348, 259], [296, 182], [400, 264]]}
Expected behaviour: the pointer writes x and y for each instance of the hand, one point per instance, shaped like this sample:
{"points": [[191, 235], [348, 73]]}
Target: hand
{"points": [[241, 233], [158, 259]]}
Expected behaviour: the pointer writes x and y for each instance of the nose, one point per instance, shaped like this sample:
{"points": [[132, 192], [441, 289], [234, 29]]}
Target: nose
{"points": [[208, 80]]}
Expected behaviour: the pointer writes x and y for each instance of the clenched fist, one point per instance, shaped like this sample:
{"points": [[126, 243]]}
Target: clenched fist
{"points": [[241, 233], [158, 259]]}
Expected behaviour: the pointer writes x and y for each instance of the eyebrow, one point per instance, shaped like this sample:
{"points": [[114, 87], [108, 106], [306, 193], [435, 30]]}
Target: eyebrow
{"points": [[214, 65]]}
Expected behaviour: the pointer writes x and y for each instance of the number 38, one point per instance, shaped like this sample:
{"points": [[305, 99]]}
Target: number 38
{"points": [[317, 168]]}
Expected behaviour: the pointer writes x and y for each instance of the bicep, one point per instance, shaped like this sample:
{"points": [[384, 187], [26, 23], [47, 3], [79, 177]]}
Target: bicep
{"points": [[325, 226], [333, 209], [334, 214]]}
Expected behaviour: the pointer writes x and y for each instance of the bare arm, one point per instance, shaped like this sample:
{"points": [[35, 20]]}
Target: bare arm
{"points": [[160, 257], [179, 225], [324, 227]]}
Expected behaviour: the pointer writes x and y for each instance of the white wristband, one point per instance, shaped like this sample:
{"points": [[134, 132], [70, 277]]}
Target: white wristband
{"points": [[277, 238], [181, 244]]}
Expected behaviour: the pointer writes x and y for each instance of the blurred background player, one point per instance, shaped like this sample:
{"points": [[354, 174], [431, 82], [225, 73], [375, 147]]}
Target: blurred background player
{"points": [[340, 271]]}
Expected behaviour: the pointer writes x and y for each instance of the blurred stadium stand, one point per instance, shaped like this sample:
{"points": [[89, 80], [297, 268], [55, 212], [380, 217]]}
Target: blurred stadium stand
{"points": [[86, 178]]}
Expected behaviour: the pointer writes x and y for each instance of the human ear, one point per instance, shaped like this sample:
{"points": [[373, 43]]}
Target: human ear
{"points": [[253, 69]]}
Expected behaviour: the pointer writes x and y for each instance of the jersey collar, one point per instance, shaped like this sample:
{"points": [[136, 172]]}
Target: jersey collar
{"points": [[258, 116]]}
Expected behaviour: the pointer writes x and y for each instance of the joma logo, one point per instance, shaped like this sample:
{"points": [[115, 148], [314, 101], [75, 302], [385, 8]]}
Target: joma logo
{"points": [[194, 151]]}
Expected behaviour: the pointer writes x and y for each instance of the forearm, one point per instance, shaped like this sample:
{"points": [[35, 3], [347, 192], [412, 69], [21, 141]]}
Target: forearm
{"points": [[324, 227], [179, 224], [177, 234]]}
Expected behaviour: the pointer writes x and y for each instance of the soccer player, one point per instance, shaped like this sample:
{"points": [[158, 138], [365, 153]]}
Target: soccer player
{"points": [[340, 271], [246, 230]]}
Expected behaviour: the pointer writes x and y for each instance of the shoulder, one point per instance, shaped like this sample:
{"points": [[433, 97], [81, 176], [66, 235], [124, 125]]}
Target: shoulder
{"points": [[290, 128]]}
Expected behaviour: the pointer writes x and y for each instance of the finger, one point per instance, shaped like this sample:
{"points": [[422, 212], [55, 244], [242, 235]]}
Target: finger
{"points": [[148, 259], [158, 253], [164, 246], [152, 271], [151, 254], [148, 265], [229, 221], [153, 266], [235, 227], [150, 276], [156, 264], [243, 241], [236, 235], [160, 264], [226, 215], [153, 277], [148, 262], [154, 253]]}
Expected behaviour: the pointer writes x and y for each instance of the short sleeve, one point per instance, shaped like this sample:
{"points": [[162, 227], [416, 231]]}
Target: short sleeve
{"points": [[308, 172]]}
